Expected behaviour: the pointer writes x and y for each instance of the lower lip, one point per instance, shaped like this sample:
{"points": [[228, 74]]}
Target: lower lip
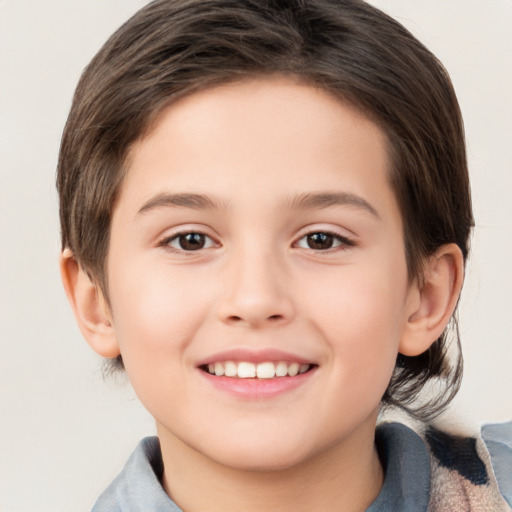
{"points": [[257, 388]]}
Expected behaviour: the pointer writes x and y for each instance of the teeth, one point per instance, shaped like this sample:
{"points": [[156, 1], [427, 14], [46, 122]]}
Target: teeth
{"points": [[303, 368], [246, 370], [266, 370], [293, 369], [219, 369], [231, 369], [281, 369]]}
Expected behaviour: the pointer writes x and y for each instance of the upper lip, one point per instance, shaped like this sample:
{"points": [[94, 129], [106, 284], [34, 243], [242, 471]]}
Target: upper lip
{"points": [[254, 356]]}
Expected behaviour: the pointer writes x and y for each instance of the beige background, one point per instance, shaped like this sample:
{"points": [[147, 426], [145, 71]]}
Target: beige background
{"points": [[64, 432]]}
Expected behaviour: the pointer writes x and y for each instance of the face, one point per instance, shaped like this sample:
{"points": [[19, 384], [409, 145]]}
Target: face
{"points": [[257, 276]]}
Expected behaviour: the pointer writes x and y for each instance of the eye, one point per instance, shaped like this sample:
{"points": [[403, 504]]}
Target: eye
{"points": [[189, 242], [323, 241]]}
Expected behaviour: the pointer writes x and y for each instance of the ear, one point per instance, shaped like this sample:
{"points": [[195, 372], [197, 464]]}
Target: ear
{"points": [[432, 301], [90, 307]]}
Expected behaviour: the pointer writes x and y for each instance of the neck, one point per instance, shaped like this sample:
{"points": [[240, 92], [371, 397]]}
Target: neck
{"points": [[345, 477]]}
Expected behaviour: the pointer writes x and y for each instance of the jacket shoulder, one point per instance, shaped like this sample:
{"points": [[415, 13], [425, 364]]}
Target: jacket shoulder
{"points": [[498, 441]]}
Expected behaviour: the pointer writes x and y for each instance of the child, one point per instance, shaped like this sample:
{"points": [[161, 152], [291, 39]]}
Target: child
{"points": [[265, 216]]}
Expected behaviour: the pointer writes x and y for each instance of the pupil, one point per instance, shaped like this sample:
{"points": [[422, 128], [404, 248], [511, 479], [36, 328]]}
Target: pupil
{"points": [[320, 241], [192, 241]]}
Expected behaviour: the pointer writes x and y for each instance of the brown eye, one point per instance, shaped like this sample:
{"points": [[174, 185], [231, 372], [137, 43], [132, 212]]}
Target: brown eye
{"points": [[323, 241], [190, 242], [320, 241]]}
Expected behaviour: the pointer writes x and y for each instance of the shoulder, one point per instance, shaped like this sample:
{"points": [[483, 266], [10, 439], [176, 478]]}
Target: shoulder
{"points": [[137, 488], [498, 440], [464, 469], [439, 470]]}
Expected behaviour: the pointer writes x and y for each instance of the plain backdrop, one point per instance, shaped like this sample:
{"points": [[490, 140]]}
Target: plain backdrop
{"points": [[64, 431]]}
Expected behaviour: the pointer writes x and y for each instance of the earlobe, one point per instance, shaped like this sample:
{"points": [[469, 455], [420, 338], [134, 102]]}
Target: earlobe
{"points": [[433, 301], [89, 306]]}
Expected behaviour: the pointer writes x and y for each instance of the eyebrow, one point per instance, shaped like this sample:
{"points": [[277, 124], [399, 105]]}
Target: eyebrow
{"points": [[307, 201], [320, 200], [183, 200]]}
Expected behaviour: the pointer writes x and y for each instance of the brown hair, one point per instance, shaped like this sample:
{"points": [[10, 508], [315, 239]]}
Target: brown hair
{"points": [[172, 48]]}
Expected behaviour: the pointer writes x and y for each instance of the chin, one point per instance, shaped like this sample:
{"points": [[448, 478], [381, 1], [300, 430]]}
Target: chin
{"points": [[267, 461], [258, 453]]}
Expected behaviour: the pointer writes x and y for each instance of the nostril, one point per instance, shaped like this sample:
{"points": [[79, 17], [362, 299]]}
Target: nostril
{"points": [[237, 319]]}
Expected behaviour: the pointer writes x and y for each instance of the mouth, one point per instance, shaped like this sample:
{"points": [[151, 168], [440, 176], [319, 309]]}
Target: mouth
{"points": [[265, 370]]}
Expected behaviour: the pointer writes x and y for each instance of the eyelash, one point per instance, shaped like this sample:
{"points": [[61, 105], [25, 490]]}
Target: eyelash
{"points": [[341, 242], [166, 242]]}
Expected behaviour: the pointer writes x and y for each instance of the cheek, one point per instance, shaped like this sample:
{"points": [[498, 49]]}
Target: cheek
{"points": [[154, 323], [148, 298], [155, 317], [361, 317]]}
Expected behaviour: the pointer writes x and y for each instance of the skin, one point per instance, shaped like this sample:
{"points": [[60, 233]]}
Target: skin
{"points": [[256, 153]]}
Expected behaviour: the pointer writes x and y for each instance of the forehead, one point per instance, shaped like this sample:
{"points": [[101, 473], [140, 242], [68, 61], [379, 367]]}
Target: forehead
{"points": [[281, 135]]}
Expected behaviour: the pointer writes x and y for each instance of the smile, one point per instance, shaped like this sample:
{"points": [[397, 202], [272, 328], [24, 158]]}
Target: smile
{"points": [[263, 370]]}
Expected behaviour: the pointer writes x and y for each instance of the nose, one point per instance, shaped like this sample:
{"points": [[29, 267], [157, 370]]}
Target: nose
{"points": [[256, 292]]}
